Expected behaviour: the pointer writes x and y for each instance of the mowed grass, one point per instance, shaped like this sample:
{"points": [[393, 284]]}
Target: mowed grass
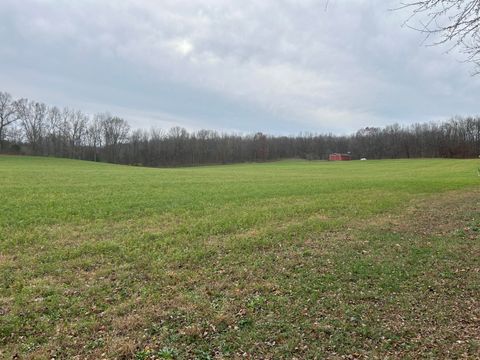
{"points": [[290, 259]]}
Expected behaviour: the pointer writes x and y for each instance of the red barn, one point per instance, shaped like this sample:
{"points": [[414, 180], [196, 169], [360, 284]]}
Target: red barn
{"points": [[339, 157]]}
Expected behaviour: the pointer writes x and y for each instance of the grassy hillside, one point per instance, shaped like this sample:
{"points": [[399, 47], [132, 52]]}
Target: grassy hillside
{"points": [[278, 260]]}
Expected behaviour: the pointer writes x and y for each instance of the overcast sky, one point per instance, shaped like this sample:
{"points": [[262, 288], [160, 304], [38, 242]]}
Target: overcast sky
{"points": [[278, 66]]}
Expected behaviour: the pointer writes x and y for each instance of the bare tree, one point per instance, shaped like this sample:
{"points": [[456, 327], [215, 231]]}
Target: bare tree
{"points": [[75, 128], [94, 135], [261, 147], [454, 22], [54, 128], [115, 132], [33, 116], [8, 114]]}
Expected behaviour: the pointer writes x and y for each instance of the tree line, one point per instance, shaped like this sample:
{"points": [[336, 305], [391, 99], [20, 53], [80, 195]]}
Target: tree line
{"points": [[33, 128]]}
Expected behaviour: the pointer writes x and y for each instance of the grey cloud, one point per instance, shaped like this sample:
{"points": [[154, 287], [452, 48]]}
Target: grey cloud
{"points": [[277, 66]]}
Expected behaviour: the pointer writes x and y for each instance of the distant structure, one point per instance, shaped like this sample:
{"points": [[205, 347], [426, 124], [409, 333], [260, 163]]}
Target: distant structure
{"points": [[339, 157]]}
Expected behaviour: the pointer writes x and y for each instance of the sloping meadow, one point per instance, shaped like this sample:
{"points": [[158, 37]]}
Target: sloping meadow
{"points": [[275, 260]]}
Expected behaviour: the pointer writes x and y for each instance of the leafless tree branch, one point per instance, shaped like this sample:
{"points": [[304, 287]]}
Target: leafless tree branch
{"points": [[454, 22]]}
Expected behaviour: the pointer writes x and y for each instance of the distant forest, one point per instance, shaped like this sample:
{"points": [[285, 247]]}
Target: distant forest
{"points": [[33, 128]]}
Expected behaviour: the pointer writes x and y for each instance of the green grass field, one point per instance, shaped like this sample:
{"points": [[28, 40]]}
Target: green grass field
{"points": [[291, 259]]}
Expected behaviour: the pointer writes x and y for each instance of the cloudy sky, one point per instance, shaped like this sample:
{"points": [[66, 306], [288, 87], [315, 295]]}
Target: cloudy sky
{"points": [[278, 66]]}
